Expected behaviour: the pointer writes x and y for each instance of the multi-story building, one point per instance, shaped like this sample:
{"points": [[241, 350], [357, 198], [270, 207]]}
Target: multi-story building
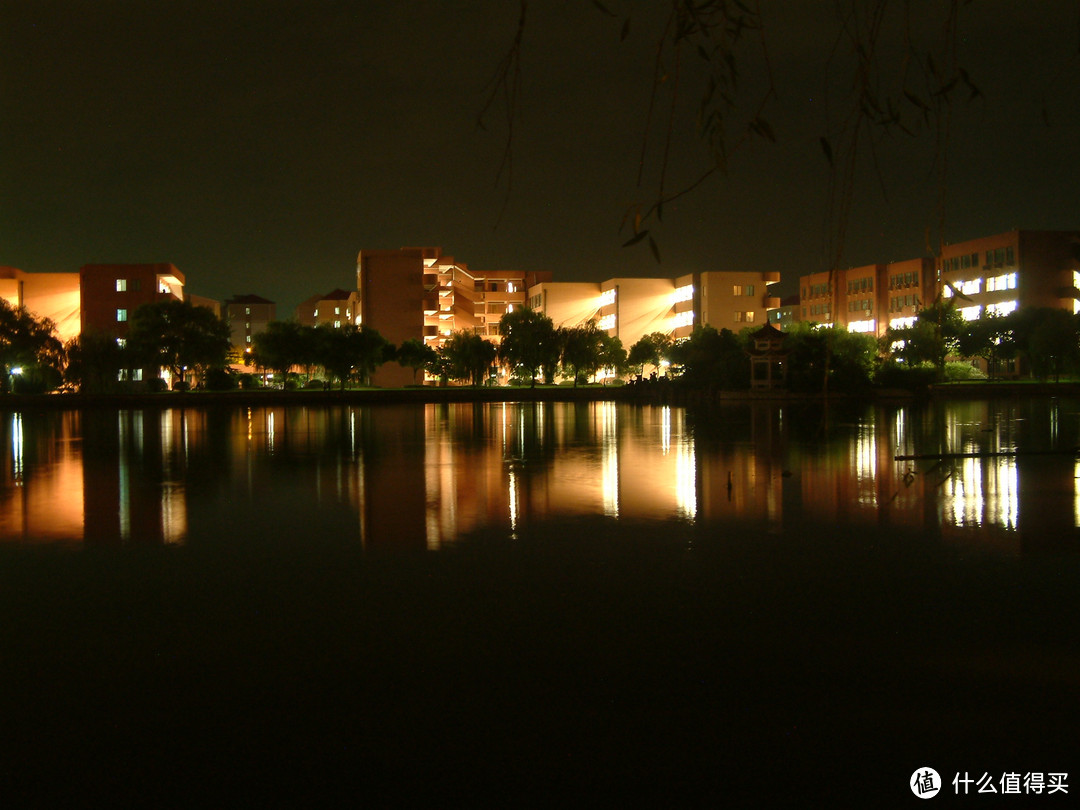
{"points": [[630, 308], [46, 295], [336, 308], [247, 316], [992, 274], [867, 299], [722, 299], [110, 293], [418, 293], [1012, 270], [911, 286]]}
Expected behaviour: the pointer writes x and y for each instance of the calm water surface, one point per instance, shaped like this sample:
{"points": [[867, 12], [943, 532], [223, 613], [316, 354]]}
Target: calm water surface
{"points": [[999, 474]]}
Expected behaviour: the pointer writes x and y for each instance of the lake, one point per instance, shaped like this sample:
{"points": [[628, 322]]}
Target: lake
{"points": [[469, 604], [999, 475]]}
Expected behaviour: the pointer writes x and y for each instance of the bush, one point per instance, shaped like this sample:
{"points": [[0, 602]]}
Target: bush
{"points": [[249, 381], [314, 385], [905, 376], [220, 379], [958, 372], [181, 385], [290, 385], [155, 385]]}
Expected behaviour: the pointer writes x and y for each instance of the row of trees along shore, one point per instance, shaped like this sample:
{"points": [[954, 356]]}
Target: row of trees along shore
{"points": [[193, 345]]}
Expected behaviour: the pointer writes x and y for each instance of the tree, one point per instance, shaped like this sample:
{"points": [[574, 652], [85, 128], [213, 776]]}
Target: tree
{"points": [[468, 357], [178, 336], [415, 354], [846, 359], [583, 351], [712, 359], [934, 336], [279, 347], [529, 342], [1047, 338], [711, 72], [30, 345], [991, 337], [612, 355], [650, 350], [94, 362]]}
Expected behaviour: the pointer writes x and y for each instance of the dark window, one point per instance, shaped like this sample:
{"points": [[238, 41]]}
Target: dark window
{"points": [[1010, 258]]}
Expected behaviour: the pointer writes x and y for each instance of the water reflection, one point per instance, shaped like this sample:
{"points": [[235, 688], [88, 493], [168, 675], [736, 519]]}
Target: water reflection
{"points": [[994, 474]]}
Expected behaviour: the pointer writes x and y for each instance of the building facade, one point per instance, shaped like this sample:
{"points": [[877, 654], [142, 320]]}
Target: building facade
{"points": [[110, 293], [247, 316], [421, 294], [55, 296], [336, 308]]}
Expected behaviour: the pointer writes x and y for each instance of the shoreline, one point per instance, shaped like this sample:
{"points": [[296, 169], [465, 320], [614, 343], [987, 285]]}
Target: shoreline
{"points": [[655, 394]]}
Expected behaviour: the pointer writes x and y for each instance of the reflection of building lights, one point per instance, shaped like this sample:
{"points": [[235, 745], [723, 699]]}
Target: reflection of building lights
{"points": [[17, 447], [665, 429], [610, 458], [686, 478], [513, 501]]}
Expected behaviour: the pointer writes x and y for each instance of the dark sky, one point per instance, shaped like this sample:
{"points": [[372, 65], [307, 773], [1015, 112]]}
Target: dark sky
{"points": [[260, 145]]}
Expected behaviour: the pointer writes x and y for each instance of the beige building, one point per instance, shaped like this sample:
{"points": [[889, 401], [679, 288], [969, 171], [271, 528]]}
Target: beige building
{"points": [[55, 296], [336, 308]]}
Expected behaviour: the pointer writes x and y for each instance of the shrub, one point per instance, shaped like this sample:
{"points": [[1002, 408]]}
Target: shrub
{"points": [[220, 379], [181, 385], [249, 381], [155, 385], [957, 372]]}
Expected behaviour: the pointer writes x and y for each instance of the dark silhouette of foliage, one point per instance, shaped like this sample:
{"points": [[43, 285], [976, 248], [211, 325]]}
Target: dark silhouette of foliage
{"points": [[712, 359], [30, 345], [529, 342], [415, 354], [467, 356], [178, 336]]}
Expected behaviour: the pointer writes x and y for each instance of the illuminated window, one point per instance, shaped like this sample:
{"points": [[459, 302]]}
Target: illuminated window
{"points": [[337, 324], [684, 293], [162, 287], [510, 287], [607, 297], [337, 310], [682, 319], [247, 310], [607, 322], [248, 338], [121, 285], [121, 342], [121, 315], [1004, 308], [970, 313]]}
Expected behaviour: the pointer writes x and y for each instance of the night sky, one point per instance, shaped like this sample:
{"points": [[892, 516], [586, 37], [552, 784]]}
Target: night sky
{"points": [[258, 146]]}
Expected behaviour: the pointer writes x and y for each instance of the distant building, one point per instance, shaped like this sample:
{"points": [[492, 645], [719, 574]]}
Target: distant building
{"points": [[206, 303], [418, 293], [630, 308], [991, 274], [336, 308], [45, 295], [786, 314], [870, 298], [247, 316]]}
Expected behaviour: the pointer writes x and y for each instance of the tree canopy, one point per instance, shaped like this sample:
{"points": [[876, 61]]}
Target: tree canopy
{"points": [[28, 344]]}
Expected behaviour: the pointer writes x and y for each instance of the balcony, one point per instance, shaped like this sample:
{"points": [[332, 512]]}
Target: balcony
{"points": [[771, 302]]}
